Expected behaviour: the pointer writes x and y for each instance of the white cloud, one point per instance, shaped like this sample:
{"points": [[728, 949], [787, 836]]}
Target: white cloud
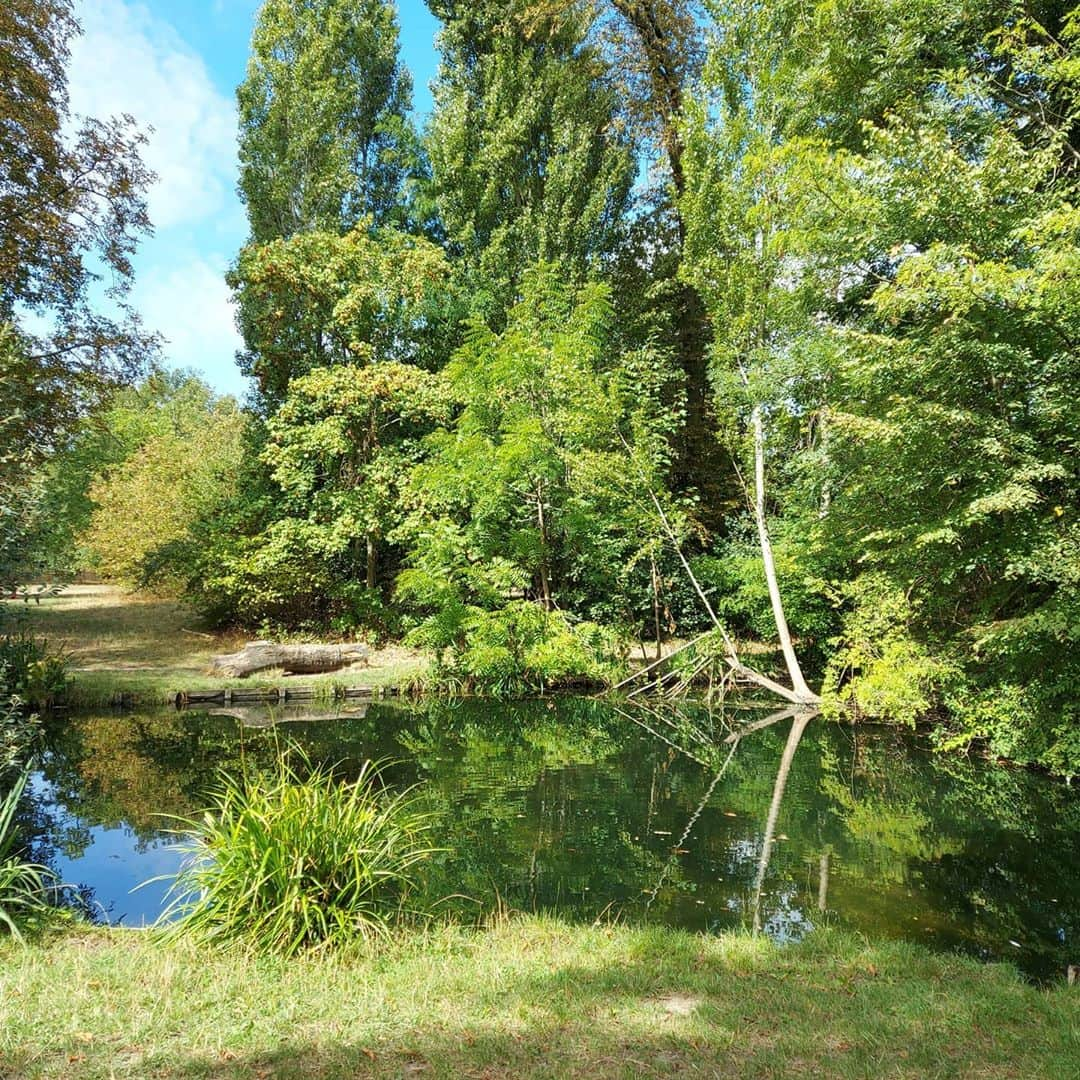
{"points": [[128, 61], [189, 303]]}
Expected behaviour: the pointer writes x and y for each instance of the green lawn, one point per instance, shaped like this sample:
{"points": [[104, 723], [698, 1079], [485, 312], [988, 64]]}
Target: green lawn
{"points": [[122, 643], [528, 998]]}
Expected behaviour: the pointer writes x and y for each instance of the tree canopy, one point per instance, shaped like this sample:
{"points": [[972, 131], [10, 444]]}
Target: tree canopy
{"points": [[676, 316], [72, 209]]}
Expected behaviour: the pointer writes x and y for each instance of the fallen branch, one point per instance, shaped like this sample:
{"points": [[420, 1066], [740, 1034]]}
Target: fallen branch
{"points": [[656, 663], [750, 675]]}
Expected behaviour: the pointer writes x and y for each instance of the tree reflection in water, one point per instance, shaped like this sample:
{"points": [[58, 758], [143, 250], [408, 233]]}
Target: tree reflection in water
{"points": [[565, 805]]}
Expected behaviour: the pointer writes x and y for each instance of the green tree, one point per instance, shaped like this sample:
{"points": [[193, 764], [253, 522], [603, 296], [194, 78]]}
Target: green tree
{"points": [[952, 453], [654, 50], [72, 207], [528, 159], [341, 446], [326, 147], [324, 130], [181, 471], [749, 189], [164, 403], [347, 319], [322, 298], [892, 270], [532, 504]]}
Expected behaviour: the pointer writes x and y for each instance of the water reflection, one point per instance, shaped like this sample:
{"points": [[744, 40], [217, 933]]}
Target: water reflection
{"points": [[799, 720], [689, 817]]}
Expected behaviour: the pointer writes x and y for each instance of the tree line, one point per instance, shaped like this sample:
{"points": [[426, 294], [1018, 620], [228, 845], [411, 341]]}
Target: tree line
{"points": [[655, 281]]}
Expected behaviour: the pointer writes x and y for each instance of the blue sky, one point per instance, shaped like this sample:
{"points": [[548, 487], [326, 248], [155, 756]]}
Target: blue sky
{"points": [[174, 66]]}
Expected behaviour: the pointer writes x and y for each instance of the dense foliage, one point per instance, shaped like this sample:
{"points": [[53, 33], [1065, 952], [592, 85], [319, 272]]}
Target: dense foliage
{"points": [[891, 268], [796, 278]]}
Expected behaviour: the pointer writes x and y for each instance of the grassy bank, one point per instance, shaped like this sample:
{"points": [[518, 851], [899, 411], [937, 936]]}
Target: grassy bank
{"points": [[147, 649], [528, 998]]}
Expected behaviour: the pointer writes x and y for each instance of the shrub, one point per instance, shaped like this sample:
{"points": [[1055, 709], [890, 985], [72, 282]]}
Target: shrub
{"points": [[23, 885], [519, 648], [18, 732], [31, 672], [289, 862], [880, 668]]}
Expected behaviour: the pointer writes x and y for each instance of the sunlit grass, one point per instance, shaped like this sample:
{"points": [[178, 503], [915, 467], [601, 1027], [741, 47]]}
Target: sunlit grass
{"points": [[146, 649], [527, 997], [297, 860]]}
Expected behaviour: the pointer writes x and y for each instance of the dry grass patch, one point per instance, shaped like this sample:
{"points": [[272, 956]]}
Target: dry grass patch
{"points": [[149, 647]]}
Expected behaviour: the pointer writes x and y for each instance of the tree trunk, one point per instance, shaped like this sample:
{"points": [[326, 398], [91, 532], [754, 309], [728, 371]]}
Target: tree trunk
{"points": [[700, 460], [545, 581], [270, 715], [798, 683], [656, 610], [293, 659]]}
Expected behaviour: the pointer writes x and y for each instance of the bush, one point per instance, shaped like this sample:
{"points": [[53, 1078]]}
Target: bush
{"points": [[31, 672], [18, 733], [879, 668], [288, 863], [735, 579], [359, 608], [517, 649]]}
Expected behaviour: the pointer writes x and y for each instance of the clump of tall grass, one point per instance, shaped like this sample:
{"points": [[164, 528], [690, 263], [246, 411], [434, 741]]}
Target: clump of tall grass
{"points": [[297, 861], [24, 886]]}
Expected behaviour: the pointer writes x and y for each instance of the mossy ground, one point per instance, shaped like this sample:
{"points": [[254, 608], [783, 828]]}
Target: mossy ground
{"points": [[529, 997], [146, 649]]}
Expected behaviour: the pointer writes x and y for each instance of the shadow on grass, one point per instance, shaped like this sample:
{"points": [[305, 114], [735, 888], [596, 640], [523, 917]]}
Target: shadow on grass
{"points": [[860, 1012]]}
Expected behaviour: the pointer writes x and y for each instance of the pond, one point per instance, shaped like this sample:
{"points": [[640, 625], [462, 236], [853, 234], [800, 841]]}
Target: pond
{"points": [[589, 810]]}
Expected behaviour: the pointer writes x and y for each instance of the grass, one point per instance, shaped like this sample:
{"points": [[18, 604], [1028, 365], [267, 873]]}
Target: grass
{"points": [[296, 861], [147, 648], [529, 997]]}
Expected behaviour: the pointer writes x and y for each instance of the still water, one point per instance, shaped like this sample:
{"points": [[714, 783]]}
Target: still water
{"points": [[575, 806]]}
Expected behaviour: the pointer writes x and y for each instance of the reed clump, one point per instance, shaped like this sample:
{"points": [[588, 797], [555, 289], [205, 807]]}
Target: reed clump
{"points": [[298, 860], [24, 886]]}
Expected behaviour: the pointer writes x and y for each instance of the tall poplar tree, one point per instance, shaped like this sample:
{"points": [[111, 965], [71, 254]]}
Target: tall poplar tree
{"points": [[654, 50], [657, 49], [326, 144], [324, 130], [529, 160]]}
